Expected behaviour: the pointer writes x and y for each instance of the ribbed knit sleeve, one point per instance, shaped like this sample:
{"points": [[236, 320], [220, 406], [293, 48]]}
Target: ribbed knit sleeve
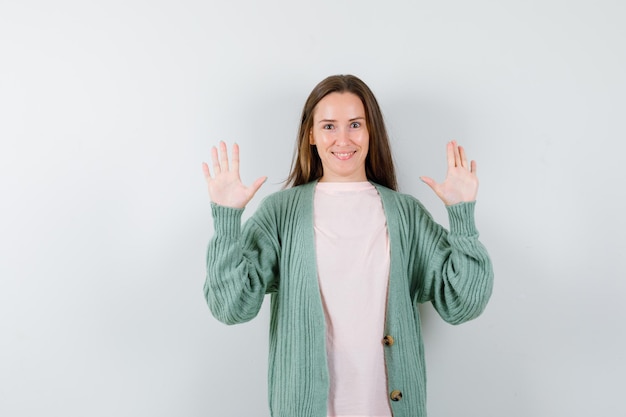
{"points": [[242, 264], [458, 274]]}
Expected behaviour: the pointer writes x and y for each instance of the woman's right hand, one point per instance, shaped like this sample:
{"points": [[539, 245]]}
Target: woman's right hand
{"points": [[225, 186]]}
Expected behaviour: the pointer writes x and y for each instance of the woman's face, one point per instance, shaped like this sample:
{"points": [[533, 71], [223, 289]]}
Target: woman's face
{"points": [[340, 134]]}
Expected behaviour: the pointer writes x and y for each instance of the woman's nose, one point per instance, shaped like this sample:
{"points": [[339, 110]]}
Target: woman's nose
{"points": [[343, 137]]}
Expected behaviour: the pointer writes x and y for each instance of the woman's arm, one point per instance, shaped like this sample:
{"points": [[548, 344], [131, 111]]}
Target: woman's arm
{"points": [[242, 265], [458, 276], [241, 262], [457, 273]]}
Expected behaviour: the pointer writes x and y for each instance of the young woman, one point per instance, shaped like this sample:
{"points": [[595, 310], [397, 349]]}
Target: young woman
{"points": [[346, 259]]}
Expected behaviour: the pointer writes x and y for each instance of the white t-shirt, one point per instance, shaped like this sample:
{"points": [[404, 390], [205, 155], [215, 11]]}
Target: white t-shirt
{"points": [[352, 247]]}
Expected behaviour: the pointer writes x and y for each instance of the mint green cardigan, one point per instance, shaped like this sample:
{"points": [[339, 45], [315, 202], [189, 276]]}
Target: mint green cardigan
{"points": [[274, 253]]}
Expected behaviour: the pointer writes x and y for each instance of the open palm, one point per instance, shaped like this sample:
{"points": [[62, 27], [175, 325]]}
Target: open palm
{"points": [[225, 186], [461, 183]]}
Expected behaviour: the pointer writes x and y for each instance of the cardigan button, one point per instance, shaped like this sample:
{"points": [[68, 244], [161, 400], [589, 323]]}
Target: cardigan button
{"points": [[388, 340], [395, 395]]}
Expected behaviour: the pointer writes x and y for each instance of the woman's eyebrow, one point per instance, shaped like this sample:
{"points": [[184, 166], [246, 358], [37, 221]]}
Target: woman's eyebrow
{"points": [[335, 121]]}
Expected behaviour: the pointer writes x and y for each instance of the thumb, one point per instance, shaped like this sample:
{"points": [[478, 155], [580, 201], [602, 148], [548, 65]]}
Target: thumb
{"points": [[429, 181], [257, 184]]}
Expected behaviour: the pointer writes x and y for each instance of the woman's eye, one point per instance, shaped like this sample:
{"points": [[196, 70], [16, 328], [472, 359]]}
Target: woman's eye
{"points": [[328, 127], [355, 125]]}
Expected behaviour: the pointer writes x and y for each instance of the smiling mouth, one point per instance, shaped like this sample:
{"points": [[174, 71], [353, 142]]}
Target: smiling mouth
{"points": [[344, 155]]}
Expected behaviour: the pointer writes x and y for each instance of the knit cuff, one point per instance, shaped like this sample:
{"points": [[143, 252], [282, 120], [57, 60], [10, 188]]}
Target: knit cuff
{"points": [[226, 220], [461, 217]]}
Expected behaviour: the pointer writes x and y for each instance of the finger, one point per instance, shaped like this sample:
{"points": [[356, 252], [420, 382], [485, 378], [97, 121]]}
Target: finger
{"points": [[207, 173], [450, 154], [223, 156], [457, 154], [235, 158], [216, 162], [473, 167], [463, 157], [257, 184], [429, 181]]}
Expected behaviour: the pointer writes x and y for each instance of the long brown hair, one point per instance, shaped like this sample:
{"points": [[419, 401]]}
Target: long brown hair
{"points": [[307, 165]]}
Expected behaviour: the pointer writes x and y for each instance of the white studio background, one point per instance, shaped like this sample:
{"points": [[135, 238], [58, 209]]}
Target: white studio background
{"points": [[107, 110]]}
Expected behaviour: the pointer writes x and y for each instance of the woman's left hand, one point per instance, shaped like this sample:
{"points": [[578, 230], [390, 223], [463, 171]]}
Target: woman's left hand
{"points": [[461, 183]]}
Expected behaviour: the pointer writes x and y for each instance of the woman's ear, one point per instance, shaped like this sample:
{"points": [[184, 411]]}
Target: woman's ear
{"points": [[311, 139]]}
